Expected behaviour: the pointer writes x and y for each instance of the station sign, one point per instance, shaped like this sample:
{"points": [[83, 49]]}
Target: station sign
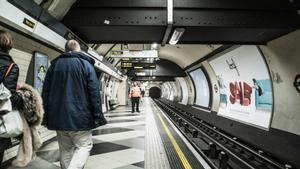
{"points": [[138, 65], [28, 23], [135, 54]]}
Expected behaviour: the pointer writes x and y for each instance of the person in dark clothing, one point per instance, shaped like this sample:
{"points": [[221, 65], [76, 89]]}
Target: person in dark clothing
{"points": [[257, 87], [143, 93], [72, 104], [10, 82]]}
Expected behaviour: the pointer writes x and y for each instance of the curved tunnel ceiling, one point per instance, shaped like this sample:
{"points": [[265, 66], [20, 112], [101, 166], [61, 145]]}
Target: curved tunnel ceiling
{"points": [[166, 70], [184, 55]]}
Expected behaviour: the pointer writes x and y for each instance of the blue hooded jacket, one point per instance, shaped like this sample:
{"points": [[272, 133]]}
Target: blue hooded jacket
{"points": [[71, 95]]}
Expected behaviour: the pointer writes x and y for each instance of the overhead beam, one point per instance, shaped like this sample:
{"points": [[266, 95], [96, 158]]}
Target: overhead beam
{"points": [[205, 21], [121, 4], [169, 21], [107, 52]]}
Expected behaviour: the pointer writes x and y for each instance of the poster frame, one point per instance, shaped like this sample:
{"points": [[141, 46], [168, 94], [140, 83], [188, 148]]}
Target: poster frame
{"points": [[232, 48], [209, 87], [35, 53]]}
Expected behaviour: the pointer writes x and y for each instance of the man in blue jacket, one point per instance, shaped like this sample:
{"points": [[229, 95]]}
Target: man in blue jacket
{"points": [[72, 104]]}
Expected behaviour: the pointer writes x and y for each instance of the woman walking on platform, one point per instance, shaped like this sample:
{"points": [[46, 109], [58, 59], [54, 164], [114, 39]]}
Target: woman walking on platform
{"points": [[11, 70]]}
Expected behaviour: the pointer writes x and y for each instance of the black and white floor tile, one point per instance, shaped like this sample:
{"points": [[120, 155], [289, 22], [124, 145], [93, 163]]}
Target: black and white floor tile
{"points": [[118, 145], [128, 141]]}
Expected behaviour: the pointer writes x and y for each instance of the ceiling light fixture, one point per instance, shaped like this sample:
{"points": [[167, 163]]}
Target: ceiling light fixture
{"points": [[154, 46], [178, 32]]}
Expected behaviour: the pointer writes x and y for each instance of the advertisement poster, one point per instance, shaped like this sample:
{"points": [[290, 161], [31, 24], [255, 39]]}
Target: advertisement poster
{"points": [[40, 69], [202, 88], [245, 86]]}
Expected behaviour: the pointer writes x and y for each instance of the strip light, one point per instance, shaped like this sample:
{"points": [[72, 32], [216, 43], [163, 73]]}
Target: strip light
{"points": [[178, 32]]}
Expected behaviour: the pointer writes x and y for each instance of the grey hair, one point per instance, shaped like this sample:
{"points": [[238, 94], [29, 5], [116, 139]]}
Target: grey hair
{"points": [[72, 45]]}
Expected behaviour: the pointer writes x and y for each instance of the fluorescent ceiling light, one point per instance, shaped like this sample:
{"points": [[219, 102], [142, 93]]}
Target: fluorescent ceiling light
{"points": [[154, 46], [178, 32], [141, 74]]}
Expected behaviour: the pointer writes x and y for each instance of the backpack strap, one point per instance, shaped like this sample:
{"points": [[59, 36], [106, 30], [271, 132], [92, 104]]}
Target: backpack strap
{"points": [[8, 70]]}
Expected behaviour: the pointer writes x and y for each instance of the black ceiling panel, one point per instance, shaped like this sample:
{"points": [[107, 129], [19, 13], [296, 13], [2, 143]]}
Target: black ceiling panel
{"points": [[117, 25], [205, 21], [211, 35], [120, 34], [116, 16], [236, 19], [121, 3], [234, 4]]}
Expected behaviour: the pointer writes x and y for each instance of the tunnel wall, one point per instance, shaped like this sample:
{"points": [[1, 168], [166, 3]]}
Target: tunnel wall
{"points": [[155, 92], [191, 91], [283, 58], [213, 80], [183, 88], [171, 91]]}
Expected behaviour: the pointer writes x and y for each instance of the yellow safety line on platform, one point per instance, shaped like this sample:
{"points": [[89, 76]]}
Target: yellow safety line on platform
{"points": [[179, 152]]}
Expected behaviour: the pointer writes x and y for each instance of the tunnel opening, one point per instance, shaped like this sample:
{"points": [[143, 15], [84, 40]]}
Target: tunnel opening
{"points": [[155, 92]]}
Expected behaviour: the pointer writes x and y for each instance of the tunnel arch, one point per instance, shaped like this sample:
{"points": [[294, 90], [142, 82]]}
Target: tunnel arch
{"points": [[155, 92]]}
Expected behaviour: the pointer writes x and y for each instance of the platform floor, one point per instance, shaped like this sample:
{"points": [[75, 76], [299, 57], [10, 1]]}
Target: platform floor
{"points": [[128, 141]]}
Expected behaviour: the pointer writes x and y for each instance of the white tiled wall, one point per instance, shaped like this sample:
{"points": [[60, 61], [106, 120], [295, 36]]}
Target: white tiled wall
{"points": [[22, 59]]}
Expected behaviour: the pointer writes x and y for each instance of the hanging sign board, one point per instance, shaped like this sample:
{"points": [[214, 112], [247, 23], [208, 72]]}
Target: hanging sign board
{"points": [[138, 65], [135, 54]]}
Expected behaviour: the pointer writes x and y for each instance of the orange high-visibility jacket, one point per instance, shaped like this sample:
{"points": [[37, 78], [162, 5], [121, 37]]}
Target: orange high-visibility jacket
{"points": [[135, 92]]}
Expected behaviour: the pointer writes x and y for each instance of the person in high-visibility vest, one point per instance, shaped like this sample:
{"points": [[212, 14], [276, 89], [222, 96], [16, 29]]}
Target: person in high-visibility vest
{"points": [[135, 95]]}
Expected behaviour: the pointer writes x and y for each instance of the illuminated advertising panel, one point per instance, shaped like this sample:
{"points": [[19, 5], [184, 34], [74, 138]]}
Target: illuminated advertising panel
{"points": [[201, 88], [246, 93]]}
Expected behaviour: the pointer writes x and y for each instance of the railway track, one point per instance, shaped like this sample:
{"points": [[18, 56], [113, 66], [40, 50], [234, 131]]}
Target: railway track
{"points": [[219, 149]]}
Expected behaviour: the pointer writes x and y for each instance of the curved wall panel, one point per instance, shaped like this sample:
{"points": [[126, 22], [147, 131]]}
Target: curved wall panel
{"points": [[184, 90], [283, 59], [202, 88]]}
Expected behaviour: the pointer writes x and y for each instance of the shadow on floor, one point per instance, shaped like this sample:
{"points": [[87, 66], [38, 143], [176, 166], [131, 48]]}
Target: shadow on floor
{"points": [[37, 163]]}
